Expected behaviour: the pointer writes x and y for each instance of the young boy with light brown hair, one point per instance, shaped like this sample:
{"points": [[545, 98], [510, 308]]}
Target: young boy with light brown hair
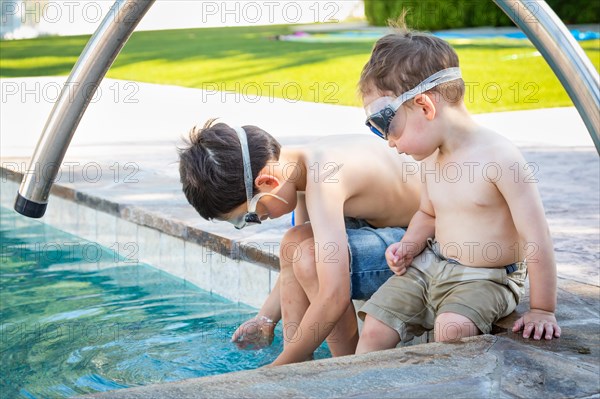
{"points": [[477, 200]]}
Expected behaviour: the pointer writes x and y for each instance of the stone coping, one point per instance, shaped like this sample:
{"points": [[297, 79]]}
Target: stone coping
{"points": [[478, 367], [246, 249]]}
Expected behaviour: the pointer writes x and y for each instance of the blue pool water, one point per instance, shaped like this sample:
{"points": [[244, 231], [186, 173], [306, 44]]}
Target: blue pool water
{"points": [[74, 319]]}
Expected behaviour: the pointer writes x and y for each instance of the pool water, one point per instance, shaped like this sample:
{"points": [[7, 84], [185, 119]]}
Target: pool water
{"points": [[75, 319]]}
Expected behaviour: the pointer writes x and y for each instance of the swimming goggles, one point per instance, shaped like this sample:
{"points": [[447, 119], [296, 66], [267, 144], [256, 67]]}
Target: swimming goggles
{"points": [[381, 111], [250, 217]]}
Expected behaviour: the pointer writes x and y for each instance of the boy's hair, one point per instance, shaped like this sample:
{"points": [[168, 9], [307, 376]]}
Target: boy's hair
{"points": [[211, 168], [401, 60]]}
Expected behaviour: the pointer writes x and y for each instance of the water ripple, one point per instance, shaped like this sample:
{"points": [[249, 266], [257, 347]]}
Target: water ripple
{"points": [[76, 329]]}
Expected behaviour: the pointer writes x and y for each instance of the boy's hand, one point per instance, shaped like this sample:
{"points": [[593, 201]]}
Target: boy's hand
{"points": [[538, 321], [399, 256], [256, 333]]}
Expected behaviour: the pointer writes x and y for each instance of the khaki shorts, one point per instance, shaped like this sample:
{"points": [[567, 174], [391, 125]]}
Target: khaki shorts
{"points": [[410, 303]]}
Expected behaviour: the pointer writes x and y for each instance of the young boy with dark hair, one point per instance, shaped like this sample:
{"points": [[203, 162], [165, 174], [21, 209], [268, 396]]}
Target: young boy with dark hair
{"points": [[349, 194], [486, 216]]}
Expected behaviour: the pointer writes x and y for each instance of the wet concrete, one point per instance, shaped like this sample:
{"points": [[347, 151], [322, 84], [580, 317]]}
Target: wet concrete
{"points": [[481, 367]]}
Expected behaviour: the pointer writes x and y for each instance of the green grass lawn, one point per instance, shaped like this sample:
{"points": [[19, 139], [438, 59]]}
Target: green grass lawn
{"points": [[500, 74]]}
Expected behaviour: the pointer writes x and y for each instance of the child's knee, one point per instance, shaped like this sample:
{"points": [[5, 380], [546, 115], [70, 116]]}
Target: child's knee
{"points": [[453, 326], [373, 329], [376, 335], [290, 243], [304, 261]]}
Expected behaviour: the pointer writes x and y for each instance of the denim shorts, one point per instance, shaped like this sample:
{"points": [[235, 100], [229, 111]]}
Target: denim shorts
{"points": [[367, 245]]}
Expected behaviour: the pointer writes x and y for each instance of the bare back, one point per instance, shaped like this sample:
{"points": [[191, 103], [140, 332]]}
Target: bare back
{"points": [[375, 183]]}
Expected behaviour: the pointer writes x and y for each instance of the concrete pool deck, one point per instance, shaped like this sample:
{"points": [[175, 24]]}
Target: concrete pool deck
{"points": [[138, 195]]}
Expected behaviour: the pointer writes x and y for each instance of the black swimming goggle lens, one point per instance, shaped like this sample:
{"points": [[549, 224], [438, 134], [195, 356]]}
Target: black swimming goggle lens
{"points": [[252, 218], [249, 219], [380, 122], [375, 130]]}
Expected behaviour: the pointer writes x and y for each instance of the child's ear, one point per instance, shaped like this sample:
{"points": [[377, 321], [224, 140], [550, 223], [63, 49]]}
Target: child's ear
{"points": [[425, 104], [267, 181]]}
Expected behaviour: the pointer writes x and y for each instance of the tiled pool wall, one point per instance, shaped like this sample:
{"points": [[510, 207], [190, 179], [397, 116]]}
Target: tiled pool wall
{"points": [[234, 279]]}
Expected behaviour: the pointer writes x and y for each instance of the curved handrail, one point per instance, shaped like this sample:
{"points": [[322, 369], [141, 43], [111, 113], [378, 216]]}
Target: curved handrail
{"points": [[564, 55], [93, 63]]}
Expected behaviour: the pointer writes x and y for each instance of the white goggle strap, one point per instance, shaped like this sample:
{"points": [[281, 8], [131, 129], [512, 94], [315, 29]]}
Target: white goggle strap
{"points": [[257, 197], [248, 182], [443, 76]]}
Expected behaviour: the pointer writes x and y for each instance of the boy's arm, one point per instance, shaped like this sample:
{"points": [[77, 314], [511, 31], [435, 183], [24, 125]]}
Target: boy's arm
{"points": [[332, 264], [272, 306], [526, 208], [421, 227], [259, 331], [301, 213]]}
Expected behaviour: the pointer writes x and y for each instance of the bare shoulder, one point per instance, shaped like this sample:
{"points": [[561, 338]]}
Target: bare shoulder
{"points": [[497, 148], [354, 149], [350, 163], [504, 164], [329, 161]]}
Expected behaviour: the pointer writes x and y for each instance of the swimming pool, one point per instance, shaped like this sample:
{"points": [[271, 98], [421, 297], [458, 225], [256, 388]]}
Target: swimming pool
{"points": [[75, 319]]}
